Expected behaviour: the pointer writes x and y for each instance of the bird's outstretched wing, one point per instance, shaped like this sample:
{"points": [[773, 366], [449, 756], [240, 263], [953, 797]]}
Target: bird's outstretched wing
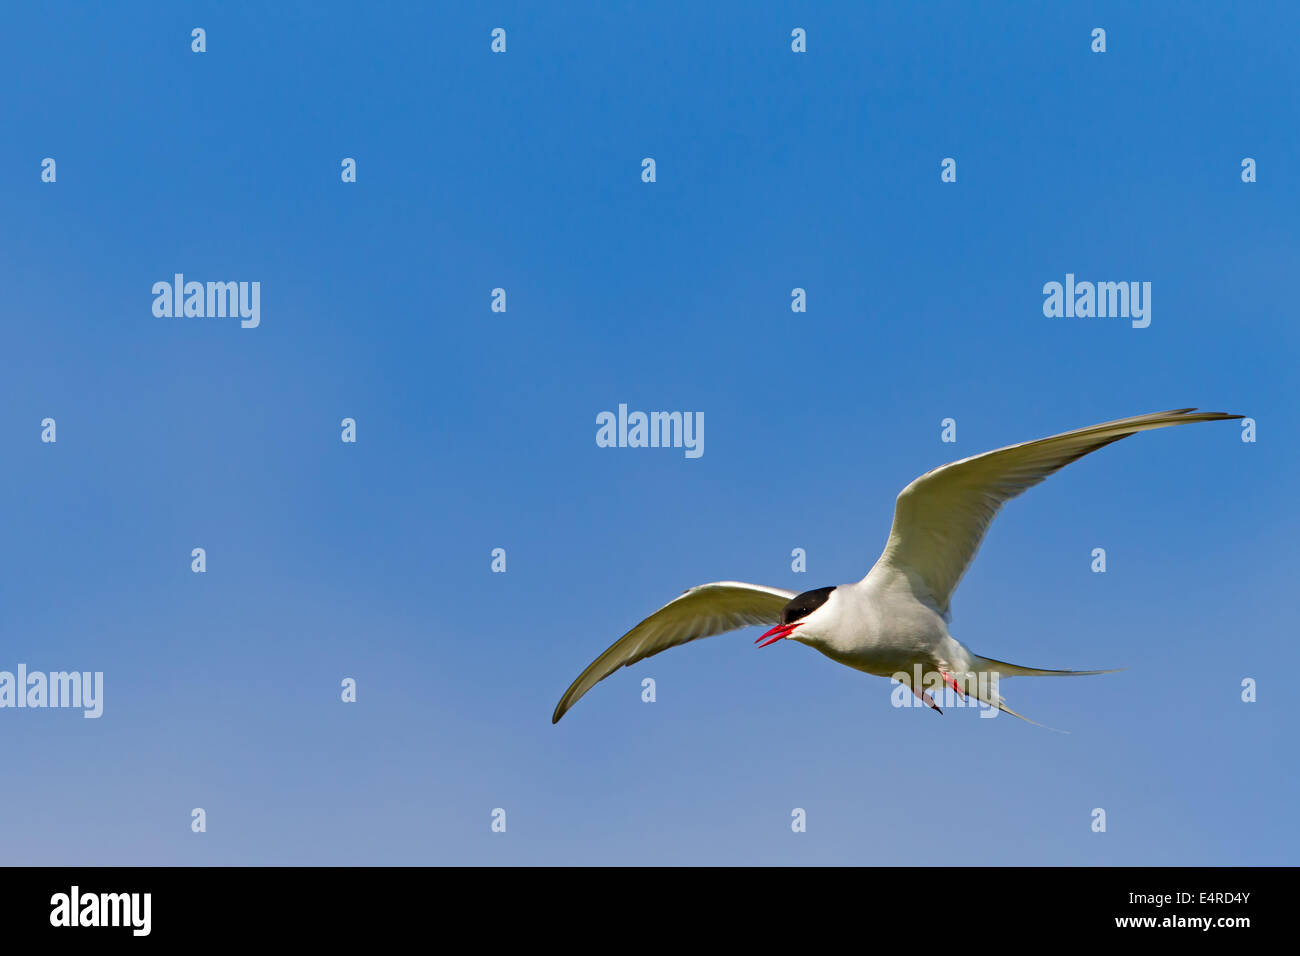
{"points": [[700, 612], [941, 517]]}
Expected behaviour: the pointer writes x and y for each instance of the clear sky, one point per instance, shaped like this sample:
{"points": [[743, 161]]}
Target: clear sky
{"points": [[476, 429]]}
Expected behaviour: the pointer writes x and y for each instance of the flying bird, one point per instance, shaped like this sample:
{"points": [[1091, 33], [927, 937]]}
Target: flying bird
{"points": [[894, 622]]}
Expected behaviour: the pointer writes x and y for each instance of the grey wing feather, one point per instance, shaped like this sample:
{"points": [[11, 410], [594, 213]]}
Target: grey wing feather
{"points": [[699, 612], [941, 517]]}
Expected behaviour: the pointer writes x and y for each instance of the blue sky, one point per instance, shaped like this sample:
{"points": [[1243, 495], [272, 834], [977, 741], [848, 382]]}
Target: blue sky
{"points": [[476, 429]]}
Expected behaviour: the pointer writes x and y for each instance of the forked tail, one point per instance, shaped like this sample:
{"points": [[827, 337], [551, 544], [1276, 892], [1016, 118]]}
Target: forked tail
{"points": [[986, 690], [988, 664]]}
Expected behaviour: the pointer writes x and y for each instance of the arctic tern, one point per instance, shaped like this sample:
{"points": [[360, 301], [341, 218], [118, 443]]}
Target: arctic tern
{"points": [[894, 622]]}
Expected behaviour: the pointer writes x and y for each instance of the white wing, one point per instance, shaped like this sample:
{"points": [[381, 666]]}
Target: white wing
{"points": [[941, 517], [700, 612]]}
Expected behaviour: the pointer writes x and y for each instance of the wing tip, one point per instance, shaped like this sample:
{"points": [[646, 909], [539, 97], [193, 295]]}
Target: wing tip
{"points": [[1200, 415]]}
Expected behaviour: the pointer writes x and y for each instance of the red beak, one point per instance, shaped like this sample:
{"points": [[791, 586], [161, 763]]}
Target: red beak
{"points": [[778, 632]]}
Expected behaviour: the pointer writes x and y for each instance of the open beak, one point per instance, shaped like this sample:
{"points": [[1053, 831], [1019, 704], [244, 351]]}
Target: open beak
{"points": [[778, 632]]}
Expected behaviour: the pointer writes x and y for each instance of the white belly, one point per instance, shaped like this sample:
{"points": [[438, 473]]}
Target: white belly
{"points": [[884, 629]]}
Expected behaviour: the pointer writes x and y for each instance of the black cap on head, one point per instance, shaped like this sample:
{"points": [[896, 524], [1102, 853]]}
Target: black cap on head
{"points": [[804, 604]]}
